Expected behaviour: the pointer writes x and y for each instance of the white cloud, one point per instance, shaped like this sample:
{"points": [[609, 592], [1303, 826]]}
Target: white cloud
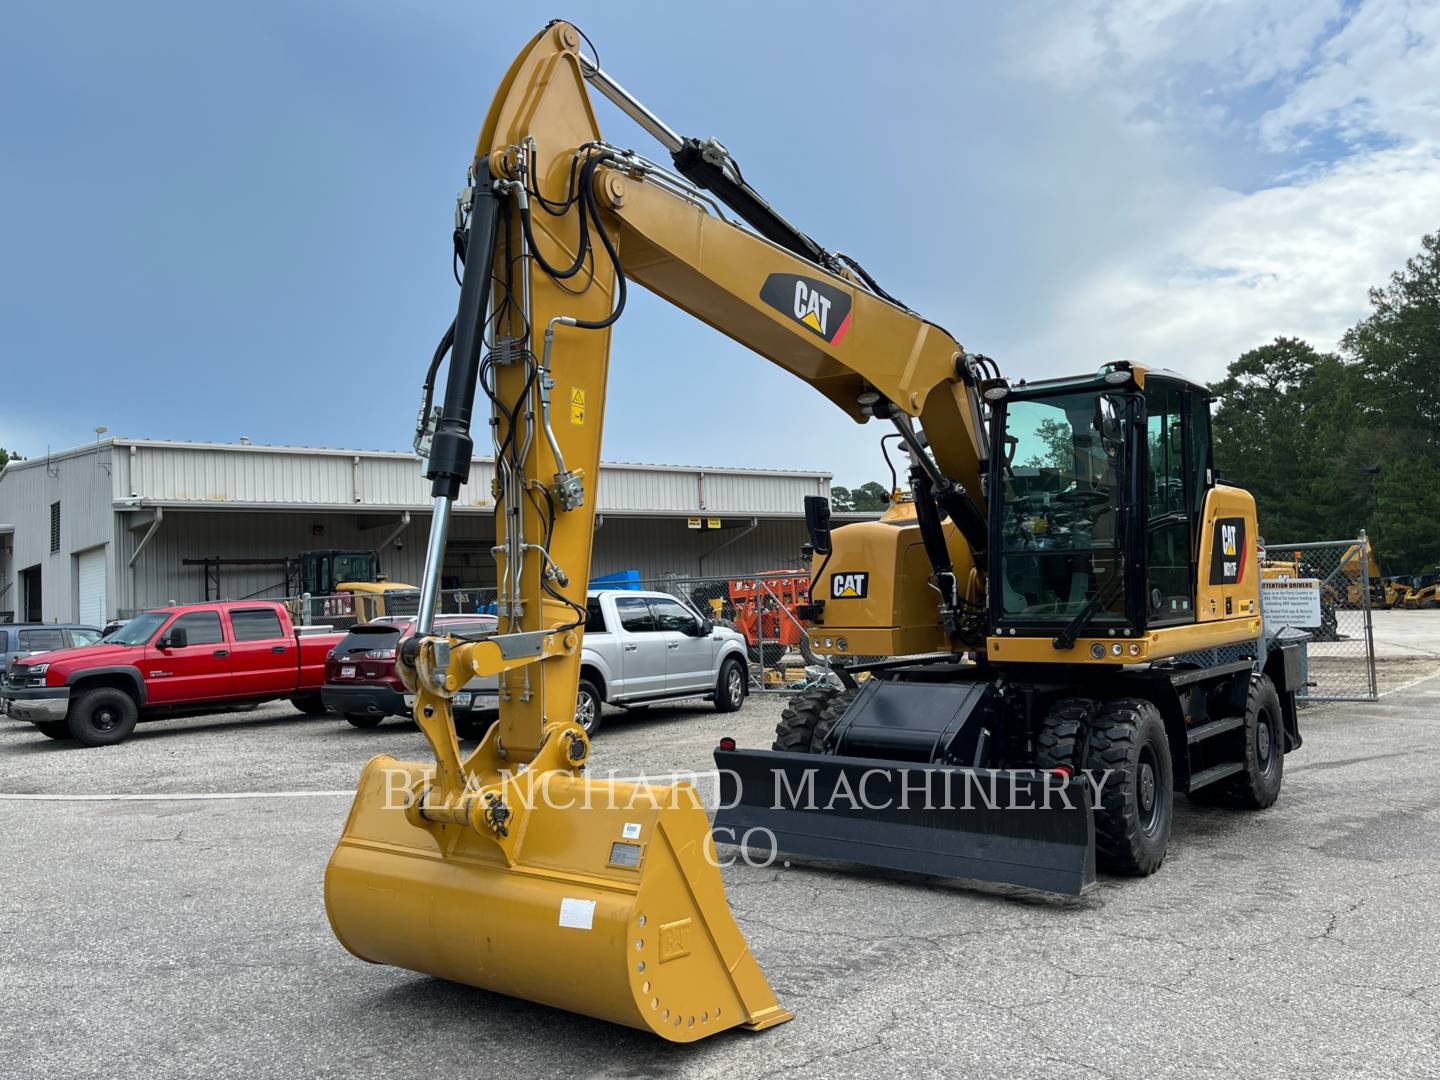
{"points": [[1358, 91], [1295, 260]]}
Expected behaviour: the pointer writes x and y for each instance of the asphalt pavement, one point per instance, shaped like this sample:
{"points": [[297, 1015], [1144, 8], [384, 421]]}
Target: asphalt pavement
{"points": [[187, 936]]}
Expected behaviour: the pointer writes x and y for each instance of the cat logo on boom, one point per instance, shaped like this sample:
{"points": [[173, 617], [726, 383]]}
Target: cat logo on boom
{"points": [[818, 306], [854, 586]]}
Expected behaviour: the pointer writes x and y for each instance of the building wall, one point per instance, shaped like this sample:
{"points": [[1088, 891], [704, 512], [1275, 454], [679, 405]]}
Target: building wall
{"points": [[80, 481]]}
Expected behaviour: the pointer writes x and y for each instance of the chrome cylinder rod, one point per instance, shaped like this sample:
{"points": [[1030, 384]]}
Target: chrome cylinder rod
{"points": [[434, 564], [631, 106]]}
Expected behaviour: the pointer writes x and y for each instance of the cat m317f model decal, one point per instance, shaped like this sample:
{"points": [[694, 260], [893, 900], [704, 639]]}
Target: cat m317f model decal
{"points": [[818, 306]]}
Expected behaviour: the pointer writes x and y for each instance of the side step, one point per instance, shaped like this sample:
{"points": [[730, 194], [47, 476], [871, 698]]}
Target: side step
{"points": [[1215, 774], [1202, 732]]}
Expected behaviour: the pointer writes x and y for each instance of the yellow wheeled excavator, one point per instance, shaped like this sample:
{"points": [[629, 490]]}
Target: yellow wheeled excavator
{"points": [[1065, 604]]}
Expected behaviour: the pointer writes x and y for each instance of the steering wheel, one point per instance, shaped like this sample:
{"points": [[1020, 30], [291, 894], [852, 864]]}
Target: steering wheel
{"points": [[1084, 498]]}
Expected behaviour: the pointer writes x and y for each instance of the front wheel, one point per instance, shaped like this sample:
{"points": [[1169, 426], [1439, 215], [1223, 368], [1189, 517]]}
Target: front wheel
{"points": [[102, 717], [588, 704], [54, 729], [1129, 757], [730, 687]]}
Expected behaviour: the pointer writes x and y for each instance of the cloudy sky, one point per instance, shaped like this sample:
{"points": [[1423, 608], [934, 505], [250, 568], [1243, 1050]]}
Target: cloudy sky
{"points": [[234, 219]]}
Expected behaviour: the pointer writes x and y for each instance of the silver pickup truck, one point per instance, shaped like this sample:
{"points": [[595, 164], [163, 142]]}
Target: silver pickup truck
{"points": [[645, 648]]}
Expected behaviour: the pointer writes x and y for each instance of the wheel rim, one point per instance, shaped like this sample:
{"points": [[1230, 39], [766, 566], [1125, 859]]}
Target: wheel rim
{"points": [[104, 718], [1265, 739], [734, 686], [585, 710], [1147, 794]]}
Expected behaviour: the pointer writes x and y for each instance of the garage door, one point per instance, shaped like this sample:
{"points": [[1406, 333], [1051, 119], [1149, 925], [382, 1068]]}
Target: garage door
{"points": [[92, 586]]}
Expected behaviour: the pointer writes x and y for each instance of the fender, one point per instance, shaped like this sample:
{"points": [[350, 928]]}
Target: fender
{"points": [[126, 672]]}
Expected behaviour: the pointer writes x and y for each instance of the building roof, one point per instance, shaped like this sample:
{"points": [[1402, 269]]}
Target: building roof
{"points": [[200, 475]]}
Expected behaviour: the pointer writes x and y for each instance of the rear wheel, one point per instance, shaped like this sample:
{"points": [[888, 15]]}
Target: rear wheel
{"points": [[54, 729], [363, 719], [730, 686], [1258, 784], [588, 704], [1062, 733], [309, 704], [1129, 755], [102, 717], [767, 653]]}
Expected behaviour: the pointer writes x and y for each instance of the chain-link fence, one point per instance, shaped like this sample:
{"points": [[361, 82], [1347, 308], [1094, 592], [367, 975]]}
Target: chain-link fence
{"points": [[1327, 590]]}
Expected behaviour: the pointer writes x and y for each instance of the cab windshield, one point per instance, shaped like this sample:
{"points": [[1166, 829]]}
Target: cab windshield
{"points": [[138, 630], [1060, 519]]}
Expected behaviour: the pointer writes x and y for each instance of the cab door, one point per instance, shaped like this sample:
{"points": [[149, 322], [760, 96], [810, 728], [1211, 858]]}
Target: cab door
{"points": [[689, 655], [1169, 495], [264, 659], [198, 670], [641, 647]]}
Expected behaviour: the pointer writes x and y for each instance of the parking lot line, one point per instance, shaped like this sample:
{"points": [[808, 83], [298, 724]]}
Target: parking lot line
{"points": [[179, 796]]}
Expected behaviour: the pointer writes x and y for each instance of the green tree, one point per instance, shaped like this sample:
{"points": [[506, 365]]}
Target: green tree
{"points": [[7, 456], [870, 496]]}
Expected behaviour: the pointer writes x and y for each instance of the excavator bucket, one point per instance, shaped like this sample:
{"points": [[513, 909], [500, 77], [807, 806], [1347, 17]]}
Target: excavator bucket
{"points": [[606, 900], [1028, 828]]}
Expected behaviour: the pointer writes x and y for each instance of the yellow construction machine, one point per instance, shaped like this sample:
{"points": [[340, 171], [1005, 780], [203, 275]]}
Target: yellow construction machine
{"points": [[1072, 596]]}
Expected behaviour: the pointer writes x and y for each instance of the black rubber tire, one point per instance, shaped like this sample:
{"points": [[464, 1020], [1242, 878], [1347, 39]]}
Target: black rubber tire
{"points": [[363, 719], [1062, 733], [1257, 786], [589, 716], [768, 653], [54, 729], [732, 685], [309, 704], [1130, 750], [829, 717], [796, 729], [102, 717]]}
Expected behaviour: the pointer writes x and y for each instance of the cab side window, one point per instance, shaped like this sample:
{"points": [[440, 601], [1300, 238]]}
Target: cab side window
{"points": [[635, 615], [672, 615], [201, 628], [1168, 533]]}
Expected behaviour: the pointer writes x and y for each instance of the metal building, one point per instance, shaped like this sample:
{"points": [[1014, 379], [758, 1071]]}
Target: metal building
{"points": [[106, 529]]}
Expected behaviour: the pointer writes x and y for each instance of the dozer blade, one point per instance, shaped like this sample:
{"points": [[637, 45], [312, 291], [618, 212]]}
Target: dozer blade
{"points": [[608, 902], [1028, 828]]}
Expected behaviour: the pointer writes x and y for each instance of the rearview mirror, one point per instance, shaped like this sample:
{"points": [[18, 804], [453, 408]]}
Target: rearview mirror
{"points": [[706, 627], [1108, 410], [175, 638], [817, 523]]}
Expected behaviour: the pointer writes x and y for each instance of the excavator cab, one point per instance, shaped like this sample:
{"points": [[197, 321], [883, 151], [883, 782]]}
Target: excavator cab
{"points": [[1097, 503]]}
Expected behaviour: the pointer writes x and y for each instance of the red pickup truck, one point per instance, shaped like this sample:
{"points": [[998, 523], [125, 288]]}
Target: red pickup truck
{"points": [[192, 658]]}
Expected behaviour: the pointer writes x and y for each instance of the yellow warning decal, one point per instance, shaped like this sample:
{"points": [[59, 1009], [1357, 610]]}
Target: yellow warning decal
{"points": [[577, 405]]}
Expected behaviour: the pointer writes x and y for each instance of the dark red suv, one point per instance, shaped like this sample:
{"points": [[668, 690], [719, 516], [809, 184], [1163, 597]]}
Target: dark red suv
{"points": [[361, 682]]}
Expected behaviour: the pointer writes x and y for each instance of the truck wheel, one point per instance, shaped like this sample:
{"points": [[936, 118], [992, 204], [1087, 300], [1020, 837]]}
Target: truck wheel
{"points": [[1258, 784], [588, 706], [730, 687], [54, 729], [363, 719], [309, 704], [1062, 733], [102, 717], [796, 729], [1130, 753]]}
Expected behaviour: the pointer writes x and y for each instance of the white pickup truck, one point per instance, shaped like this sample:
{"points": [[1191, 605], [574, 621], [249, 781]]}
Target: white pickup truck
{"points": [[645, 648]]}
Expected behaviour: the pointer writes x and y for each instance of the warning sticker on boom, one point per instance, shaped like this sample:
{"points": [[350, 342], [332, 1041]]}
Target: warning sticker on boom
{"points": [[577, 405]]}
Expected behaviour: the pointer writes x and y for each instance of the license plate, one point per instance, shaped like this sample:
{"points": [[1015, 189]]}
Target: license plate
{"points": [[462, 701], [347, 671]]}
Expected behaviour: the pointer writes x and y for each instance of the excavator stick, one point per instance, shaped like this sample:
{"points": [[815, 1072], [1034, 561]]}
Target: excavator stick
{"points": [[511, 869]]}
